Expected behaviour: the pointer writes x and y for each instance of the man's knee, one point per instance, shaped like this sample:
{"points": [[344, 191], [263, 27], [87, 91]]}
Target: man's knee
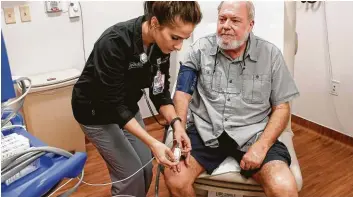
{"points": [[179, 185], [277, 179], [282, 186], [178, 181]]}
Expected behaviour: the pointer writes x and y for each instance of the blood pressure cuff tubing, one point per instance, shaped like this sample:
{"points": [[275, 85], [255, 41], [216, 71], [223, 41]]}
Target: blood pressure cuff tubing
{"points": [[187, 79]]}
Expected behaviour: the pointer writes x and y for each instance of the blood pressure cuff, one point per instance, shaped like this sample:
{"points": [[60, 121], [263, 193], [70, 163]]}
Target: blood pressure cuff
{"points": [[187, 79]]}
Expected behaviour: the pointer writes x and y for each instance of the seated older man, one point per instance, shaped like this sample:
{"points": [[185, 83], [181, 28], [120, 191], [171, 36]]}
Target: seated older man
{"points": [[237, 88]]}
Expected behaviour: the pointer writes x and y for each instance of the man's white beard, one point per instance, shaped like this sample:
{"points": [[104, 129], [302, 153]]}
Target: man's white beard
{"points": [[234, 44]]}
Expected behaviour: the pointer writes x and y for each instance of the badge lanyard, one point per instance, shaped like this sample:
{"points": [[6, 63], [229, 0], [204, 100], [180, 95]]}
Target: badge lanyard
{"points": [[158, 83], [159, 78]]}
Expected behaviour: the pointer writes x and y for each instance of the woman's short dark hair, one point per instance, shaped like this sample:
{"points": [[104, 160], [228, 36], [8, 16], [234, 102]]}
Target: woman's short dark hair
{"points": [[167, 11]]}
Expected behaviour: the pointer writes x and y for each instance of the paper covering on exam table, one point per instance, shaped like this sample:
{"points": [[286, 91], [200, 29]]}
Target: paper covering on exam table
{"points": [[228, 165]]}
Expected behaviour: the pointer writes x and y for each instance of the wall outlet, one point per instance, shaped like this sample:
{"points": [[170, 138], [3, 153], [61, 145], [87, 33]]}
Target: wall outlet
{"points": [[335, 86], [74, 9], [9, 14], [25, 14]]}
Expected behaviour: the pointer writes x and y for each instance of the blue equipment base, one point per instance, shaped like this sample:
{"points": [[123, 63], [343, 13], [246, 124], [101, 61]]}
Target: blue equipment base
{"points": [[52, 169]]}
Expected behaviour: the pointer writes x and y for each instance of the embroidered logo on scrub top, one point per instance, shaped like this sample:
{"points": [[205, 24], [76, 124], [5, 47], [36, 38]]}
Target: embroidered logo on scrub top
{"points": [[164, 60], [143, 60], [135, 65]]}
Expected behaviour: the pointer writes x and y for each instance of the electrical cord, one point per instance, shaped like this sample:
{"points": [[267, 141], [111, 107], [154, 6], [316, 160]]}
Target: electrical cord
{"points": [[328, 44], [60, 187], [110, 183], [150, 108], [18, 107], [9, 103], [69, 192], [330, 62], [58, 151], [83, 34], [11, 166], [20, 99], [16, 163]]}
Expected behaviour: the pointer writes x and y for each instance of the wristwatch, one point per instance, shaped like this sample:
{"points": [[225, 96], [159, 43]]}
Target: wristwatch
{"points": [[173, 121]]}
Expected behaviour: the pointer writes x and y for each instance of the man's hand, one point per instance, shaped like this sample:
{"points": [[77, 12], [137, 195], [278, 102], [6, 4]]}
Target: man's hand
{"points": [[183, 140], [254, 157]]}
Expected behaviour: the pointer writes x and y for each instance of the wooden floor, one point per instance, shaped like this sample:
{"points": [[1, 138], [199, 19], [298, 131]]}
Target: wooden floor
{"points": [[326, 165]]}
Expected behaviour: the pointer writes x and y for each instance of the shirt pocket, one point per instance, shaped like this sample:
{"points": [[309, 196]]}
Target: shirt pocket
{"points": [[210, 82], [256, 88]]}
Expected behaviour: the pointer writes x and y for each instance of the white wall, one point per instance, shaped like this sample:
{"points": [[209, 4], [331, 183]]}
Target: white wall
{"points": [[33, 50], [52, 42], [269, 19], [269, 23], [311, 65], [47, 43]]}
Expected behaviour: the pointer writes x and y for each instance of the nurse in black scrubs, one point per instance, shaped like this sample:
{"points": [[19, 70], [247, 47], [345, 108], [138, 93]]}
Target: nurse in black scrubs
{"points": [[128, 57]]}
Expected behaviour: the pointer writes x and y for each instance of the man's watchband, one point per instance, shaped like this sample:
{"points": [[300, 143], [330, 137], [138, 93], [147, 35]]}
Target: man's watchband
{"points": [[173, 121]]}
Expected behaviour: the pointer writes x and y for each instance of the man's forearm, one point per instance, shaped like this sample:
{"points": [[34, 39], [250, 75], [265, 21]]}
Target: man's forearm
{"points": [[168, 112], [277, 123], [181, 102]]}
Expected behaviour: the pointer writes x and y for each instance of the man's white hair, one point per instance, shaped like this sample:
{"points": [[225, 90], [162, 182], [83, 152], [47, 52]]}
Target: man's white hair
{"points": [[249, 6]]}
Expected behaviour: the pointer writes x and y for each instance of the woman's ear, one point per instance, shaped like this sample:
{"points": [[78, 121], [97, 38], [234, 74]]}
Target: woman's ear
{"points": [[154, 22]]}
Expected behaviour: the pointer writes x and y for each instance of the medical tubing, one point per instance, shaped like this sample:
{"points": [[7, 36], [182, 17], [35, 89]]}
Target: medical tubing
{"points": [[12, 127], [19, 160], [35, 149], [60, 187], [110, 183], [104, 184], [6, 104], [5, 176], [74, 188], [17, 109]]}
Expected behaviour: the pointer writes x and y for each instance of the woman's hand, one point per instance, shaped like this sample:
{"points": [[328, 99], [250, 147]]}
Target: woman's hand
{"points": [[183, 140], [163, 154]]}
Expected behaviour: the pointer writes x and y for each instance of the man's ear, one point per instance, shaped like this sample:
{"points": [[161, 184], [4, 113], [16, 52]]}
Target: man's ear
{"points": [[154, 22], [251, 25]]}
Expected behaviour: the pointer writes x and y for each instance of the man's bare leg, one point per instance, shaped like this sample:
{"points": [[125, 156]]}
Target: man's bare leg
{"points": [[277, 180], [180, 184]]}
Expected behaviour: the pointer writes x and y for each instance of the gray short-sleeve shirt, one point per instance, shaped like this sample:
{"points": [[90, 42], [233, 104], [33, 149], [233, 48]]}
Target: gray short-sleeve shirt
{"points": [[233, 95]]}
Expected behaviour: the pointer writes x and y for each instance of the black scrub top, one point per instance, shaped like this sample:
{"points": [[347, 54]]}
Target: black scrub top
{"points": [[109, 88]]}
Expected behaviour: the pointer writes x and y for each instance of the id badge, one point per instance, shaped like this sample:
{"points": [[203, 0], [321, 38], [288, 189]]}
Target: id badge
{"points": [[158, 83]]}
